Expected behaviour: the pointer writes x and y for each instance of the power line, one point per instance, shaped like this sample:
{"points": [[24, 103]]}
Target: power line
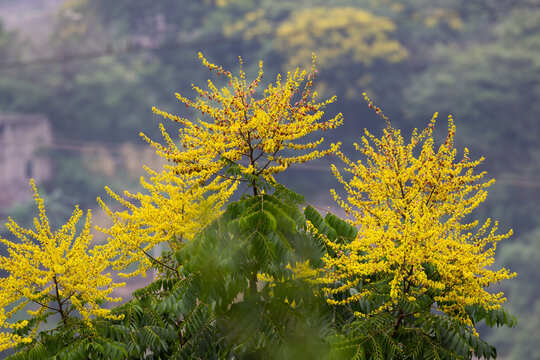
{"points": [[504, 179], [131, 47], [49, 11], [32, 14], [213, 38], [89, 146]]}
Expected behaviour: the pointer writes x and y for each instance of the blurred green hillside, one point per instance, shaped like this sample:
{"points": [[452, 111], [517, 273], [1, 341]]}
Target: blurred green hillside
{"points": [[95, 68]]}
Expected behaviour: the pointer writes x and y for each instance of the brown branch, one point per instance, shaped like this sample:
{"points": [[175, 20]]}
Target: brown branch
{"points": [[60, 308], [432, 190], [268, 163], [45, 306], [159, 262]]}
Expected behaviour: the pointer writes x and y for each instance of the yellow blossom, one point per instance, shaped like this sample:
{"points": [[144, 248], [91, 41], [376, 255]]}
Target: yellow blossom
{"points": [[246, 132], [337, 33], [411, 202], [176, 207], [53, 272], [302, 270], [249, 131]]}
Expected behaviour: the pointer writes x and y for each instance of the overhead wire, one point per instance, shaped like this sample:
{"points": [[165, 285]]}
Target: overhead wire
{"points": [[132, 46], [504, 179]]}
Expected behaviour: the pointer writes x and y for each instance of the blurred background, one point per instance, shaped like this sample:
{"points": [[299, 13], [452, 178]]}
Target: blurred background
{"points": [[78, 79]]}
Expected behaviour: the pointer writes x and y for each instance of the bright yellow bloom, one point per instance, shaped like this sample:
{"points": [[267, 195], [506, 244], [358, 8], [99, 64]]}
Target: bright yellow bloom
{"points": [[193, 187], [176, 207], [300, 270], [254, 133], [52, 272], [338, 33], [411, 204]]}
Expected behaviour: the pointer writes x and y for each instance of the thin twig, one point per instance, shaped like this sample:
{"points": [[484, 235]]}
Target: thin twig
{"points": [[159, 262]]}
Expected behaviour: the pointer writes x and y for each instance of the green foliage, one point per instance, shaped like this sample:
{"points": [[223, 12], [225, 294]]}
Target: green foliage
{"points": [[236, 291], [214, 305], [410, 330], [210, 303], [479, 81], [8, 44], [429, 336], [108, 98]]}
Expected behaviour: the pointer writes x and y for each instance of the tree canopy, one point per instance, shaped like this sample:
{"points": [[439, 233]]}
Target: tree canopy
{"points": [[96, 68], [265, 275]]}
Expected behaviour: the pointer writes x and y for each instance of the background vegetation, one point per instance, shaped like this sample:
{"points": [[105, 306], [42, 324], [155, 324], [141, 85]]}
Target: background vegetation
{"points": [[96, 68]]}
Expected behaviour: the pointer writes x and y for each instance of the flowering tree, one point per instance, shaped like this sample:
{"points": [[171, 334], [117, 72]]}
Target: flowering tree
{"points": [[56, 272], [411, 210], [259, 278], [246, 133], [415, 252]]}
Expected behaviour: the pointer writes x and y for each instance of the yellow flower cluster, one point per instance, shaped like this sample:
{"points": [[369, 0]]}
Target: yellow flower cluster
{"points": [[337, 33], [300, 270], [189, 193], [410, 203], [52, 272], [250, 132], [176, 207]]}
